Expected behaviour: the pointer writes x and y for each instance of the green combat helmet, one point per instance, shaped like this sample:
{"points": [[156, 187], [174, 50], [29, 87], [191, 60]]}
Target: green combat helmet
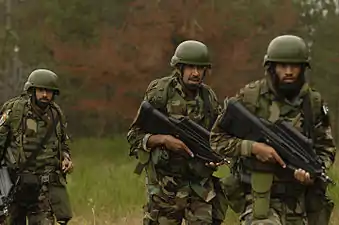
{"points": [[42, 78], [287, 49], [191, 52]]}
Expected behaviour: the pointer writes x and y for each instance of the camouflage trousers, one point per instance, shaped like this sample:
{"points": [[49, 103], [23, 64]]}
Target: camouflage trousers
{"points": [[41, 200], [166, 209], [194, 211], [281, 212], [31, 204]]}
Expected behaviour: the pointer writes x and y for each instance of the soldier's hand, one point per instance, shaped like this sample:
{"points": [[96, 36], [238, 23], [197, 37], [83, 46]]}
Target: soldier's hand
{"points": [[176, 145], [303, 177], [169, 142], [67, 165], [266, 153]]}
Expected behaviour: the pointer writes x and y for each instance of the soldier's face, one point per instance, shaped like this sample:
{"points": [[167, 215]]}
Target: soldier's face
{"points": [[44, 95], [193, 75], [288, 72]]}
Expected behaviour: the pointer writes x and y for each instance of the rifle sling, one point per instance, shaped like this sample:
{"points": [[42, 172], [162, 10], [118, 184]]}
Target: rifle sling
{"points": [[308, 125], [208, 111]]}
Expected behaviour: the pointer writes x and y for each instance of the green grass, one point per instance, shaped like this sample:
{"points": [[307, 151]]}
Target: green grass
{"points": [[103, 183], [104, 189]]}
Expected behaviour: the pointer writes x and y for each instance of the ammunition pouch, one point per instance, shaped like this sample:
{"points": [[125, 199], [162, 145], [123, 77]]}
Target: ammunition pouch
{"points": [[31, 183], [169, 163], [259, 179], [261, 192], [160, 158], [143, 158], [27, 183], [283, 190], [252, 164]]}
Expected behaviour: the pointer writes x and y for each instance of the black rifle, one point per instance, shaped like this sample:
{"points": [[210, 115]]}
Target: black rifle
{"points": [[192, 134], [6, 193], [292, 146]]}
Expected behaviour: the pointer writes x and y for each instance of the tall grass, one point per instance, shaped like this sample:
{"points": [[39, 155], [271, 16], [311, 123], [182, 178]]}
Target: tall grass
{"points": [[104, 189], [103, 186]]}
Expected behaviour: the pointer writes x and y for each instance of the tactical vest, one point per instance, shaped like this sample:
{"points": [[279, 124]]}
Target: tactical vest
{"points": [[251, 99], [161, 94], [261, 182], [165, 91], [27, 134]]}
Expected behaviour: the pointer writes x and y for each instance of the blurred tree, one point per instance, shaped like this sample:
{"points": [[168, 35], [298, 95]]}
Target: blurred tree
{"points": [[320, 19], [106, 53], [12, 70]]}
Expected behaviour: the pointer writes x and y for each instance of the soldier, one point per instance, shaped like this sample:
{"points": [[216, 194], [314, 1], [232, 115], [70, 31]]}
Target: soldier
{"points": [[180, 188], [34, 147], [282, 94]]}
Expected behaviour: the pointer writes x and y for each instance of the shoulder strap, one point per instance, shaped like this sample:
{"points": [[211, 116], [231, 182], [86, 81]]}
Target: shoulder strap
{"points": [[9, 103], [62, 119], [316, 102], [251, 94], [18, 111], [17, 107], [311, 109], [208, 108], [159, 91]]}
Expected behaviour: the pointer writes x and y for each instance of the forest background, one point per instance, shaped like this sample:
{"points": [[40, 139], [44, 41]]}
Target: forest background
{"points": [[106, 52]]}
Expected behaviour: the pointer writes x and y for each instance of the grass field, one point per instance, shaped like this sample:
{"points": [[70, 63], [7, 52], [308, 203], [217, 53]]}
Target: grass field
{"points": [[104, 189]]}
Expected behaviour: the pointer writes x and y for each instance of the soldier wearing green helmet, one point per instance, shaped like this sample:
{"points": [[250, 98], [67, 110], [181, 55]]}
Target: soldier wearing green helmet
{"points": [[34, 146], [279, 196], [180, 187], [191, 53], [42, 78], [287, 49]]}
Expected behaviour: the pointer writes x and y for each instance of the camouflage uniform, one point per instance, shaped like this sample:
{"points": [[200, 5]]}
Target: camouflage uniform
{"points": [[289, 202], [33, 144], [180, 188]]}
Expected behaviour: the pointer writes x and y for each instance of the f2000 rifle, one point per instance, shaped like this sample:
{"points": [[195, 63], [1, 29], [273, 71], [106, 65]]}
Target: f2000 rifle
{"points": [[196, 137], [292, 146]]}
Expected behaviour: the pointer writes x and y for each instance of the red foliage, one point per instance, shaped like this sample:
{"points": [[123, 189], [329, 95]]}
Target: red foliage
{"points": [[124, 60]]}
